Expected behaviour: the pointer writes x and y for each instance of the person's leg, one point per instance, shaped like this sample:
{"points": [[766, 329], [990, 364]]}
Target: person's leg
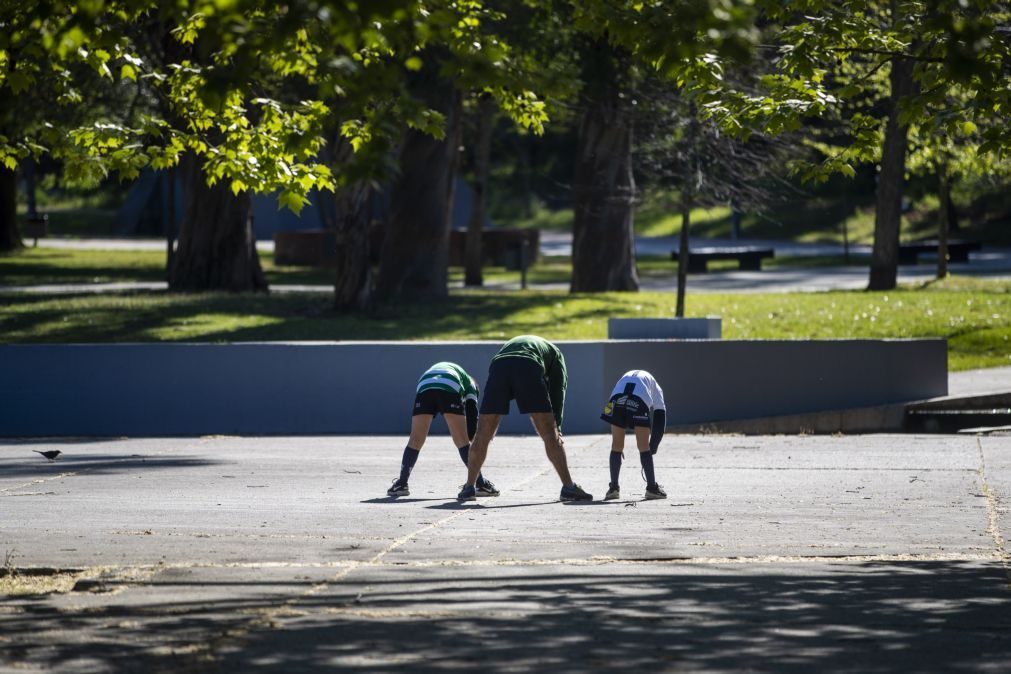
{"points": [[546, 427], [653, 490], [487, 425], [617, 453], [457, 424], [420, 423], [645, 458]]}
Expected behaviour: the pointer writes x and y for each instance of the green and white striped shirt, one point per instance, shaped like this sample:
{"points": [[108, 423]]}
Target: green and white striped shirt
{"points": [[449, 377]]}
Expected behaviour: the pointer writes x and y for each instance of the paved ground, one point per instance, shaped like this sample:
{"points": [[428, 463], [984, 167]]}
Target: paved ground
{"points": [[798, 554]]}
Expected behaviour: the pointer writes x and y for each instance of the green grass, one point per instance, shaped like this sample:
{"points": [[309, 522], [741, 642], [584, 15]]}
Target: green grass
{"points": [[44, 266], [975, 315], [807, 220], [76, 219], [38, 266]]}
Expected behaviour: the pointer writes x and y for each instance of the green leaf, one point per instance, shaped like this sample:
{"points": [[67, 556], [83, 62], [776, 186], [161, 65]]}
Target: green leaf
{"points": [[19, 81], [293, 201], [128, 72]]}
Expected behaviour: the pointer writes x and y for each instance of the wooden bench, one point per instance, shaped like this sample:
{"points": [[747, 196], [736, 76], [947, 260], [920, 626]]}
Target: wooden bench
{"points": [[36, 228], [500, 246], [958, 250], [748, 258]]}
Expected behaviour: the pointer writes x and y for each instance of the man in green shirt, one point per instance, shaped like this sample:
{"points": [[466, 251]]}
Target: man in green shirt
{"points": [[530, 370]]}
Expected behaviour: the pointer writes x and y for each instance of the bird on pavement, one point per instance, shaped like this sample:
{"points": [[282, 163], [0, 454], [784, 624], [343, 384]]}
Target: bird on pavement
{"points": [[51, 454]]}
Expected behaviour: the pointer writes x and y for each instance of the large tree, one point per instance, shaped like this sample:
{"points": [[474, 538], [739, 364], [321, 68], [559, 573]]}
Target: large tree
{"points": [[891, 178], [929, 51], [415, 256], [603, 243], [216, 248]]}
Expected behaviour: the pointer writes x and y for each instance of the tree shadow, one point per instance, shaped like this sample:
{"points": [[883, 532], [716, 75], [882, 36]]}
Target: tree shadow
{"points": [[856, 617]]}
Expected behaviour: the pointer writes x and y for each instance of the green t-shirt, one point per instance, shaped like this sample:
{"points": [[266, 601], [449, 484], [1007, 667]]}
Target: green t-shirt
{"points": [[552, 363], [449, 377]]}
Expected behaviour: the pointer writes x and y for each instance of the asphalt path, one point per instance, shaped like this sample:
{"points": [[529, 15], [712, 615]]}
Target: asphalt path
{"points": [[874, 553], [990, 263]]}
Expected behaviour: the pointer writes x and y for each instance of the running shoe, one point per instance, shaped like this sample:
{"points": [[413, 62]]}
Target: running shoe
{"points": [[398, 488], [574, 493], [612, 492], [486, 488], [655, 491], [467, 493]]}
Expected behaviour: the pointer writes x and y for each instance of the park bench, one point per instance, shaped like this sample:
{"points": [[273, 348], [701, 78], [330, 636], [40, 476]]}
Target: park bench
{"points": [[748, 257], [501, 246], [36, 227], [958, 250]]}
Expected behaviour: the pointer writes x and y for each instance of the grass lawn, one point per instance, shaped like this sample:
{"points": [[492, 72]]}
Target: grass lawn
{"points": [[38, 266], [43, 266], [807, 220], [975, 316]]}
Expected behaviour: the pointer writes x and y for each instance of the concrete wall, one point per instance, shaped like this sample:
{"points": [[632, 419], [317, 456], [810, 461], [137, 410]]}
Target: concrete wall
{"points": [[665, 328], [368, 387]]}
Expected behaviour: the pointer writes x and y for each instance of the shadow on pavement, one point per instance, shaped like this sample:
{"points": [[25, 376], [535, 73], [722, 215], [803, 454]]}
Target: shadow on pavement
{"points": [[399, 499], [34, 466], [485, 504], [856, 617]]}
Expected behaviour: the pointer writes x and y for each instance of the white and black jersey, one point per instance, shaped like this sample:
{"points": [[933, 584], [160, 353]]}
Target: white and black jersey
{"points": [[642, 385], [637, 401]]}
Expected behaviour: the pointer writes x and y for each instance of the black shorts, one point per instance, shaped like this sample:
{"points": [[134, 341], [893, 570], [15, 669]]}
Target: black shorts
{"points": [[436, 401], [515, 378], [626, 411]]}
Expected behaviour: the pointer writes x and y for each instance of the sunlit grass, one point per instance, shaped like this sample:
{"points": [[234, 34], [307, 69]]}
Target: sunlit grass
{"points": [[42, 266], [973, 314]]}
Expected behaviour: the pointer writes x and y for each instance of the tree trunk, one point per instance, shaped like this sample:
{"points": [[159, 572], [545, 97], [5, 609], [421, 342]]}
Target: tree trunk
{"points": [[351, 214], [952, 213], [603, 243], [10, 235], [170, 222], [30, 168], [943, 225], [473, 251], [415, 251], [216, 249], [686, 219], [888, 213]]}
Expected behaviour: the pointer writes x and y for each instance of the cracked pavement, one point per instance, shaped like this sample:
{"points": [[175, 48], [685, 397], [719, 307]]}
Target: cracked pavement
{"points": [[871, 553]]}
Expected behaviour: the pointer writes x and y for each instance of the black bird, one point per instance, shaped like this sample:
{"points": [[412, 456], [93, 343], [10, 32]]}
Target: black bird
{"points": [[51, 454]]}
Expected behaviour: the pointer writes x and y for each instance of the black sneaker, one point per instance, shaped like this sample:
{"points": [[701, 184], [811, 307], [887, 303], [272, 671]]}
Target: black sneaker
{"points": [[656, 491], [398, 488], [612, 492], [486, 488], [574, 493], [467, 493]]}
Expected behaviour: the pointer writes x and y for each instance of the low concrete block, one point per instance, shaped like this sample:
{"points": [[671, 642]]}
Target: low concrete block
{"points": [[665, 328], [368, 387]]}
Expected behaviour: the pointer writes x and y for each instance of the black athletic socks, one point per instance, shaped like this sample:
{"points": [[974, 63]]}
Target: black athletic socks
{"points": [[407, 463], [646, 459], [615, 466]]}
